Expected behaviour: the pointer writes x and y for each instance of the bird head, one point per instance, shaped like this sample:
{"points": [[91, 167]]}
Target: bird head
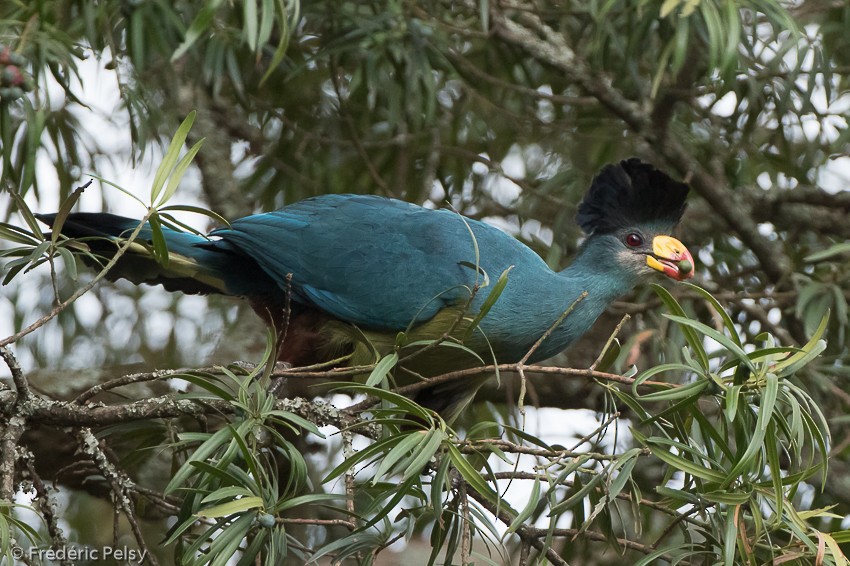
{"points": [[631, 209]]}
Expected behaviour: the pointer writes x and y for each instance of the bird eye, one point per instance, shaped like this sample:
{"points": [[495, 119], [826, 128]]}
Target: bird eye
{"points": [[634, 240]]}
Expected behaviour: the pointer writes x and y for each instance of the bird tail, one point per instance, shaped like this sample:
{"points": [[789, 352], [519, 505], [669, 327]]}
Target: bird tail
{"points": [[193, 265]]}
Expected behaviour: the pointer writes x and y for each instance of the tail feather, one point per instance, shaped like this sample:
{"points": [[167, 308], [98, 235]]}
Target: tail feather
{"points": [[194, 266]]}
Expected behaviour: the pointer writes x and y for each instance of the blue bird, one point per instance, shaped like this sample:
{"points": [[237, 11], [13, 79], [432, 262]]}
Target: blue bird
{"points": [[343, 275]]}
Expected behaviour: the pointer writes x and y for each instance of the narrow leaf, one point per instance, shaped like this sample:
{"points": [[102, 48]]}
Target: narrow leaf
{"points": [[691, 336], [472, 476], [488, 303], [231, 507], [64, 210], [180, 170], [727, 321], [171, 156], [382, 368]]}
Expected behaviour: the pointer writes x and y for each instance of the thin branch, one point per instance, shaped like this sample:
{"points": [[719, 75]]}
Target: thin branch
{"points": [[611, 339], [18, 378], [408, 390], [528, 534], [14, 427], [11, 434], [474, 447], [47, 505], [550, 330], [120, 486], [129, 379]]}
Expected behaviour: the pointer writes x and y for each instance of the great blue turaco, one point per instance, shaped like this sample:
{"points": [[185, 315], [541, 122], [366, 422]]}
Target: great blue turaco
{"points": [[345, 274]]}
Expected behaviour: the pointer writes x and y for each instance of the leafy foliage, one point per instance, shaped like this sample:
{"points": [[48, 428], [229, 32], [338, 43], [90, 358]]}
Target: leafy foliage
{"points": [[505, 111]]}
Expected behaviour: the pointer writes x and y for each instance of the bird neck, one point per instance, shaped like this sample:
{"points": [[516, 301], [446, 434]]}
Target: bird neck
{"points": [[596, 268], [595, 272]]}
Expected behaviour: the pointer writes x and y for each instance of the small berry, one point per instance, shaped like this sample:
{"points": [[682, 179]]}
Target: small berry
{"points": [[266, 521], [11, 76]]}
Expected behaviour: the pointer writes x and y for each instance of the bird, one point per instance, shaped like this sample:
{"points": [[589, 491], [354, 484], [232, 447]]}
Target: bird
{"points": [[361, 276]]}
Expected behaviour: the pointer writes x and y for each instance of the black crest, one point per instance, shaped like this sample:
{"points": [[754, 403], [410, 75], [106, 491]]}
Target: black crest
{"points": [[631, 193]]}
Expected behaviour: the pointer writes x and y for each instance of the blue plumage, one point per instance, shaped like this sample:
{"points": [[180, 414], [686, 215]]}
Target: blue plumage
{"points": [[387, 266], [377, 262]]}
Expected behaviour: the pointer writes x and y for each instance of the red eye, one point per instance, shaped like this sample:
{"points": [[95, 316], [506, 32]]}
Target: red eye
{"points": [[634, 240]]}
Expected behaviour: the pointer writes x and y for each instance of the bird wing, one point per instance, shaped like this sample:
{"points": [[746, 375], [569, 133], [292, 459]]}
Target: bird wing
{"points": [[376, 262]]}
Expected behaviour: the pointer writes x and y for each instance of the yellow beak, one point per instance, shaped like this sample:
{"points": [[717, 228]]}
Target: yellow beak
{"points": [[671, 257]]}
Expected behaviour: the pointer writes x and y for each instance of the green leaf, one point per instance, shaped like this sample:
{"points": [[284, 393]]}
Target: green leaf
{"points": [[691, 390], [687, 403], [382, 368], [64, 210], [18, 235], [828, 253], [721, 339], [118, 187], [403, 449], [250, 27], [623, 466], [180, 170], [403, 403], [432, 442], [69, 262], [691, 336], [526, 436], [202, 453], [730, 537], [837, 554], [267, 19], [774, 353], [287, 504], [527, 511], [237, 433], [197, 210], [609, 356], [160, 246], [488, 303], [676, 461], [577, 498], [807, 353], [26, 214], [718, 308], [292, 418], [768, 401], [169, 160], [371, 451], [228, 492], [225, 544], [199, 25], [206, 381], [472, 477], [668, 6], [775, 465], [445, 344], [731, 400], [841, 537], [677, 495], [726, 497], [484, 14], [231, 507], [285, 34]]}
